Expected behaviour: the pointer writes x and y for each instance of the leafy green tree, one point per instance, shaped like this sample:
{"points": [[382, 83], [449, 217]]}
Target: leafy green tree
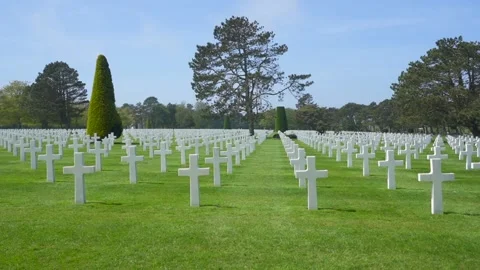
{"points": [[202, 115], [441, 89], [384, 116], [127, 114], [57, 95], [267, 119], [172, 112], [240, 70], [149, 105], [307, 115], [103, 117], [12, 107], [184, 116], [304, 100]]}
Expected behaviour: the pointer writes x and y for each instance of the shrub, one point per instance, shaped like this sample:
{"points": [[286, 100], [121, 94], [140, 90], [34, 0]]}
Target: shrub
{"points": [[281, 119], [292, 136], [226, 122]]}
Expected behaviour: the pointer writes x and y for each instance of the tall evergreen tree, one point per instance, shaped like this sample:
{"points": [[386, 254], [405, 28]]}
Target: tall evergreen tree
{"points": [[226, 122], [281, 120], [103, 117], [240, 71]]}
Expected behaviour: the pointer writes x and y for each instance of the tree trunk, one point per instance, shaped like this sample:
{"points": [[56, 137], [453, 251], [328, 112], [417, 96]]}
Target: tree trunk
{"points": [[251, 124]]}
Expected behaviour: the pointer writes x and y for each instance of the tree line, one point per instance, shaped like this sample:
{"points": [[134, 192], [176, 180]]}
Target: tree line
{"points": [[235, 77]]}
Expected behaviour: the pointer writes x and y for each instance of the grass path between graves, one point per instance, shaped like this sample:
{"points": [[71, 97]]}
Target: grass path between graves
{"points": [[258, 219]]}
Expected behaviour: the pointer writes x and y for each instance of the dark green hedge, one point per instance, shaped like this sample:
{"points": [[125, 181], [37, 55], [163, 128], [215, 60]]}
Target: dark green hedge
{"points": [[281, 119], [103, 117]]}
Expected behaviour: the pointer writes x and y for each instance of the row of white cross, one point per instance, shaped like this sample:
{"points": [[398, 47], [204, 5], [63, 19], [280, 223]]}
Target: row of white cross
{"points": [[298, 160], [244, 143]]}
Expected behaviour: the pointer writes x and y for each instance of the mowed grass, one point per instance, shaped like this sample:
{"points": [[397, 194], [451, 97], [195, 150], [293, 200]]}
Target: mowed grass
{"points": [[258, 219]]}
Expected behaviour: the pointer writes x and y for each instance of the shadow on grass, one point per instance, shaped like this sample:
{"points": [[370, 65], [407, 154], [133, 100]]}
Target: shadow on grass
{"points": [[235, 185], [410, 188], [463, 214], [217, 206], [152, 183], [122, 143], [337, 209], [104, 203]]}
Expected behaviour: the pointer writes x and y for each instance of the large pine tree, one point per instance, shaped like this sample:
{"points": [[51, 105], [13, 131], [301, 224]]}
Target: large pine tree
{"points": [[57, 95]]}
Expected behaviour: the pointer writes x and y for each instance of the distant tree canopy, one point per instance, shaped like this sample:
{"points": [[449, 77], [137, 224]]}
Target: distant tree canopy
{"points": [[441, 90], [238, 72], [438, 93], [56, 98]]}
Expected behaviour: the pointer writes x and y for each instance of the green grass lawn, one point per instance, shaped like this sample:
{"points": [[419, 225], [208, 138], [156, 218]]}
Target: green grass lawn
{"points": [[257, 219]]}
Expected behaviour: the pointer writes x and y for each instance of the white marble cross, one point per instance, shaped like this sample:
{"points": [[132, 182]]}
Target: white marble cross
{"points": [[437, 153], [299, 164], [349, 150], [437, 178], [150, 144], [21, 146], [206, 142], [338, 150], [98, 151], [87, 142], [182, 148], [294, 152], [330, 148], [61, 143], [128, 142], [390, 163], [237, 154], [216, 160], [365, 155], [312, 174], [468, 153], [106, 146], [197, 145], [408, 151], [229, 154], [132, 160], [33, 150], [49, 159], [75, 145], [194, 172], [163, 152], [95, 137], [79, 170]]}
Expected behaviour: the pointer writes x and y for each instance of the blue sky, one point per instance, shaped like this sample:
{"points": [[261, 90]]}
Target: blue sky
{"points": [[353, 49]]}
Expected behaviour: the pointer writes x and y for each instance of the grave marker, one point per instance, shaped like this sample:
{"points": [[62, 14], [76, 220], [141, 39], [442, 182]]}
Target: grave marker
{"points": [[49, 159], [79, 170], [437, 178], [132, 160], [312, 174], [390, 163], [193, 171]]}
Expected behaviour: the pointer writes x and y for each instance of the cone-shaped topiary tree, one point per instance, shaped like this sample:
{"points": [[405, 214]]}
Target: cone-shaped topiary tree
{"points": [[281, 120], [103, 117], [226, 122]]}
